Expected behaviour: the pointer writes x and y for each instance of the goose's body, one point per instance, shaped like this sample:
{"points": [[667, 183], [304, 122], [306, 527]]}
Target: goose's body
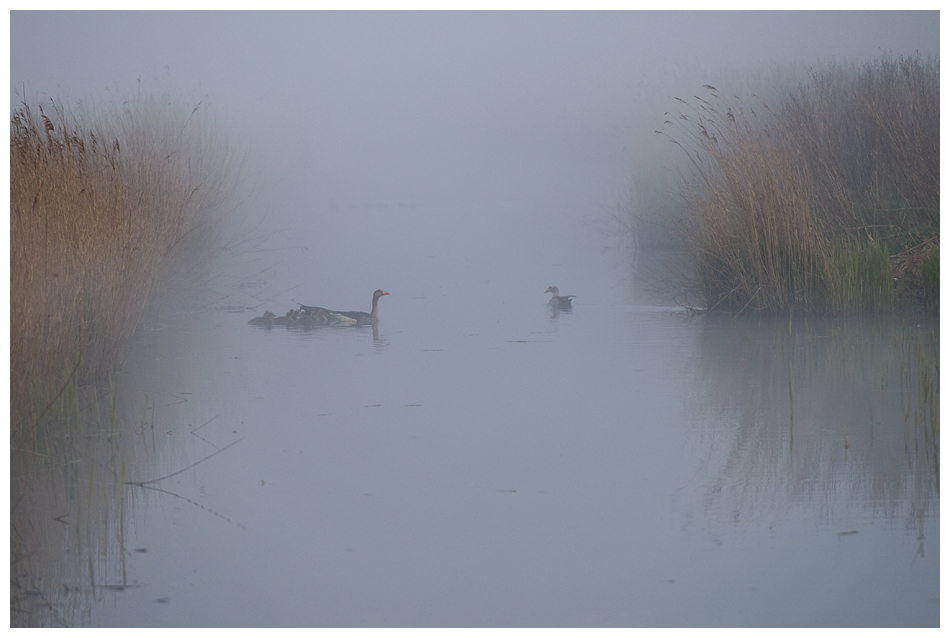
{"points": [[287, 320], [317, 316], [558, 301], [266, 320], [344, 319], [351, 317], [314, 317]]}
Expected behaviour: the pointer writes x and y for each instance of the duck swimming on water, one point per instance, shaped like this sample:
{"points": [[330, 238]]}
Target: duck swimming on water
{"points": [[557, 301]]}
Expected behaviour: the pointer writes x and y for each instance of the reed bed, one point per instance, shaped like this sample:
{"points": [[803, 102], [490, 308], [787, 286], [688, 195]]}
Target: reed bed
{"points": [[829, 202], [104, 209]]}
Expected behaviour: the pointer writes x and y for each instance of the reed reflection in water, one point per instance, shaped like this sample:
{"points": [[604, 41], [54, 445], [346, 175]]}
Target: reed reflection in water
{"points": [[70, 504], [762, 474], [822, 406]]}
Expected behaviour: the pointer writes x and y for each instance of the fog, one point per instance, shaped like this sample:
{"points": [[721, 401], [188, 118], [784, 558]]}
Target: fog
{"points": [[529, 132], [478, 458]]}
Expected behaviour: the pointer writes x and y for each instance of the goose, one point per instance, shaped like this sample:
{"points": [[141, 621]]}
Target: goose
{"points": [[557, 301], [315, 317], [287, 320], [351, 317], [341, 319], [266, 320]]}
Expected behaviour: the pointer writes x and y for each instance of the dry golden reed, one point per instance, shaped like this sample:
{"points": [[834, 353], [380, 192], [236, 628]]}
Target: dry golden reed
{"points": [[99, 206], [829, 202]]}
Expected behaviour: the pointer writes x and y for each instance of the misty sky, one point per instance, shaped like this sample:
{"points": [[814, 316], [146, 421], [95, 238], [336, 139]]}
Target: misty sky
{"points": [[356, 95], [555, 108]]}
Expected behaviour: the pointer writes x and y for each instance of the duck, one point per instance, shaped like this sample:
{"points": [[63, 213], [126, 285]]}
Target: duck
{"points": [[266, 320], [351, 317], [557, 301]]}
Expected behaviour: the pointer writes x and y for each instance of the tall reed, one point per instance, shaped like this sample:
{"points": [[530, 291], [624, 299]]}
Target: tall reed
{"points": [[822, 203], [102, 208]]}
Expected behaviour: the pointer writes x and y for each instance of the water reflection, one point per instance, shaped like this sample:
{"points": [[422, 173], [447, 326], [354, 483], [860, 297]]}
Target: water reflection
{"points": [[73, 484], [70, 503], [687, 470], [839, 412]]}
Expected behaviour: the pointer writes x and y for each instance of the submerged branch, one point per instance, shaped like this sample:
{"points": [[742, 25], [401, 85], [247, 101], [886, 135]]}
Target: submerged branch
{"points": [[144, 483], [185, 498]]}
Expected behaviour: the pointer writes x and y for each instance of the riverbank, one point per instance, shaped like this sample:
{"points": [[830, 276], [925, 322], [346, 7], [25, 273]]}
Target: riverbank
{"points": [[108, 208], [827, 201]]}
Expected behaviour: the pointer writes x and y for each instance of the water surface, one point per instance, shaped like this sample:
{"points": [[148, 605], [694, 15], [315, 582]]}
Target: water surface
{"points": [[501, 464]]}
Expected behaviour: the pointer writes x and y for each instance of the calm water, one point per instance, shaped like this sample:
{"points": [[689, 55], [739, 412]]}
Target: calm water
{"points": [[478, 462], [485, 462]]}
